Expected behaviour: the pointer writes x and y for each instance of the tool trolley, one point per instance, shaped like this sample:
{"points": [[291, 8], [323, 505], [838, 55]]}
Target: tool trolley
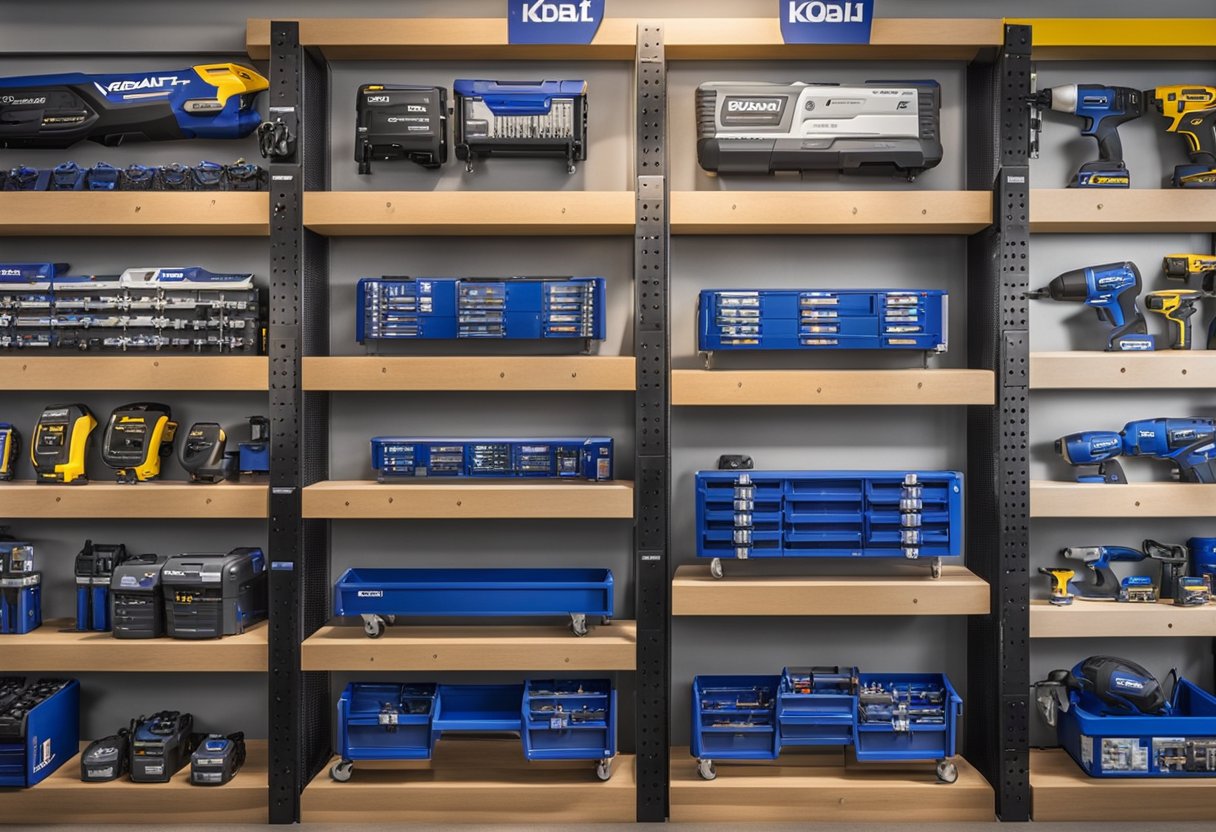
{"points": [[563, 719], [379, 596], [884, 717], [746, 514]]}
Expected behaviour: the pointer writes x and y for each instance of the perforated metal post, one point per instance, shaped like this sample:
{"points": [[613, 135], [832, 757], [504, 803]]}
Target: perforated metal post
{"points": [[299, 423], [998, 527], [653, 446]]}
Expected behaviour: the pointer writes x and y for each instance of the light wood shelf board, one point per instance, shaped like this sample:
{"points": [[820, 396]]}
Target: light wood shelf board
{"points": [[1061, 791], [957, 592], [496, 499], [455, 213], [471, 647], [1093, 619], [147, 500], [1113, 211], [826, 787], [832, 387], [830, 212], [63, 799], [134, 213], [1110, 39], [134, 372], [474, 781], [1172, 369], [1142, 499], [581, 373]]}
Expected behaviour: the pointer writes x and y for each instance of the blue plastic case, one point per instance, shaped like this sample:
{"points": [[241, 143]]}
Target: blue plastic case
{"points": [[39, 729], [586, 458]]}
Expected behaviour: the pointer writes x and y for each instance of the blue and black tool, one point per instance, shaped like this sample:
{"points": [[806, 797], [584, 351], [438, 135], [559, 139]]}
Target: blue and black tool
{"points": [[1101, 109], [1111, 289], [94, 570]]}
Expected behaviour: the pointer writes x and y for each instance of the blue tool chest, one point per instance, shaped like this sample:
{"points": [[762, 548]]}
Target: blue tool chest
{"points": [[520, 118], [586, 458], [841, 514], [828, 319], [490, 308], [20, 589], [882, 716], [39, 728], [556, 719], [379, 595], [1180, 743]]}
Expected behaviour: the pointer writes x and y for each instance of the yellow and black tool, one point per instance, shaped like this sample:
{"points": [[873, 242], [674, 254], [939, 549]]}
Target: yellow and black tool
{"points": [[60, 444], [10, 451], [1060, 596], [1176, 306], [137, 436], [1185, 266], [1191, 109]]}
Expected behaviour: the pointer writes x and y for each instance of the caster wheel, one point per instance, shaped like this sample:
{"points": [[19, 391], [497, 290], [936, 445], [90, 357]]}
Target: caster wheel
{"points": [[578, 625], [935, 568], [341, 771], [390, 620], [947, 772], [605, 620], [374, 627], [603, 770], [715, 568], [706, 769]]}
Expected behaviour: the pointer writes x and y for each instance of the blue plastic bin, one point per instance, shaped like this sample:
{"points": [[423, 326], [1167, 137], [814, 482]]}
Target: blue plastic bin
{"points": [[734, 717], [386, 721], [39, 728], [569, 719], [880, 739]]}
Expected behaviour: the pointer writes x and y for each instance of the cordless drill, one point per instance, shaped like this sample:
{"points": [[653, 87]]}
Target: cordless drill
{"points": [[1191, 110], [1202, 267], [1111, 289], [1093, 453], [1190, 444], [1176, 306], [1101, 110]]}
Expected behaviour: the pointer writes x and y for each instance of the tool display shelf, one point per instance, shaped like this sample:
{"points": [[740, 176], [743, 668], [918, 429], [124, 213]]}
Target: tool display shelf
{"points": [[1167, 369], [1113, 619], [489, 373], [746, 388], [912, 591], [63, 798], [480, 499], [133, 371], [99, 499], [57, 647], [1121, 211], [134, 214], [1049, 498]]}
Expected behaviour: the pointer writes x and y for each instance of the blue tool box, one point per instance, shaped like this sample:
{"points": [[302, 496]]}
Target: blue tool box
{"points": [[890, 717], [556, 719], [486, 308], [827, 319], [20, 589], [380, 595], [1181, 743], [520, 118], [829, 514], [578, 457], [39, 728]]}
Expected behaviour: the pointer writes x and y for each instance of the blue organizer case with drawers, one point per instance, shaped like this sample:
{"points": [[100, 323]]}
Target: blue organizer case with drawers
{"points": [[569, 457]]}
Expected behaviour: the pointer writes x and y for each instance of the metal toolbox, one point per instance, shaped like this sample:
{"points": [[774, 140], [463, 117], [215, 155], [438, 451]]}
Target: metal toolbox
{"points": [[39, 728], [747, 514], [575, 457], [483, 308], [520, 118], [380, 595]]}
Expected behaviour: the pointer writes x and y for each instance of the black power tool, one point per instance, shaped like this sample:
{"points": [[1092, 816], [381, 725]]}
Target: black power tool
{"points": [[1104, 685]]}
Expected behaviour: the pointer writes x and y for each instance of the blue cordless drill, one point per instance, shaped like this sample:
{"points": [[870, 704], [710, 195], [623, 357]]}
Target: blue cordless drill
{"points": [[1111, 289], [1190, 444], [1101, 109]]}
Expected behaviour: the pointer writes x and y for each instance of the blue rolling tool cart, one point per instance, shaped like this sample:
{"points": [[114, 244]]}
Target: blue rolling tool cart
{"points": [[481, 308], [379, 596], [20, 589], [746, 514], [575, 457], [39, 728], [825, 319], [563, 719], [884, 717]]}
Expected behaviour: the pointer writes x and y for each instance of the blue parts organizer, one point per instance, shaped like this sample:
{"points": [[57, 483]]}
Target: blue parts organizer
{"points": [[581, 458]]}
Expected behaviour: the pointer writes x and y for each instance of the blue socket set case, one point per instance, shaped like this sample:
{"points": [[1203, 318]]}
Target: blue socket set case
{"points": [[562, 719], [488, 308], [379, 596], [520, 118], [39, 728], [829, 514], [580, 458], [829, 319], [20, 589], [884, 717]]}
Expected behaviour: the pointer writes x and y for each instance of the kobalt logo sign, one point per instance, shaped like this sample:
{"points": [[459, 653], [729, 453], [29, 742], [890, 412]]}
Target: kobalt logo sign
{"points": [[819, 12], [735, 106], [542, 12], [553, 21], [825, 21]]}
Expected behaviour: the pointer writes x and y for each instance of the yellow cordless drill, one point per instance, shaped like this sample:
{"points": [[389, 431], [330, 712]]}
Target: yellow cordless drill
{"points": [[1191, 109], [1060, 596], [1176, 306], [1202, 267]]}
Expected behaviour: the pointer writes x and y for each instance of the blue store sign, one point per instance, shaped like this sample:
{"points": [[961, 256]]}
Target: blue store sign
{"points": [[553, 21], [824, 21]]}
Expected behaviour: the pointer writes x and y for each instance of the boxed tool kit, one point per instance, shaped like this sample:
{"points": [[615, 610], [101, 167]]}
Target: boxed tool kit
{"points": [[395, 122], [39, 728], [579, 458], [20, 587]]}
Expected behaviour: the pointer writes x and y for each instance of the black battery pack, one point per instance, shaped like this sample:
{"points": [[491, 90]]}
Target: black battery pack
{"points": [[394, 122], [160, 745], [217, 759], [204, 453], [106, 759]]}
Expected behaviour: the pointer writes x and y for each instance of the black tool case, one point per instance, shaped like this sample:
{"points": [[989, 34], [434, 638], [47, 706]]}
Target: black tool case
{"points": [[136, 604], [213, 595]]}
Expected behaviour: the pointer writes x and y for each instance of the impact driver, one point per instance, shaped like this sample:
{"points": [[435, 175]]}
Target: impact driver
{"points": [[1111, 289], [1202, 267], [1191, 109], [1101, 110]]}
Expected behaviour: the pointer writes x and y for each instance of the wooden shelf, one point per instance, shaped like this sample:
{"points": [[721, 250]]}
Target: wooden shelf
{"points": [[1121, 39], [957, 592], [1061, 791], [472, 647], [1142, 499], [576, 373], [134, 213], [1094, 619], [830, 387], [1114, 211], [1172, 369], [474, 781], [57, 647], [147, 500], [826, 787], [830, 212], [494, 499], [134, 372], [456, 213], [63, 799]]}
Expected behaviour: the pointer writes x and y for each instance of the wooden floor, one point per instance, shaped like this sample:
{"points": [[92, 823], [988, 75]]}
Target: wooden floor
{"points": [[1060, 790]]}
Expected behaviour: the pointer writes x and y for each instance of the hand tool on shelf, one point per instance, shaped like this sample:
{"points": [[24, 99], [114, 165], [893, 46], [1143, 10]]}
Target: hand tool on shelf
{"points": [[1104, 685], [1188, 443], [1191, 110], [1060, 578], [1175, 562], [1111, 290], [1185, 266], [1104, 584], [1101, 109], [1176, 306]]}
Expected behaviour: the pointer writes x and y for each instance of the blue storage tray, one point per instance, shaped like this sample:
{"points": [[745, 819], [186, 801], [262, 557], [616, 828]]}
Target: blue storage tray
{"points": [[879, 740], [369, 729], [734, 717], [585, 726], [567, 457], [1144, 746]]}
